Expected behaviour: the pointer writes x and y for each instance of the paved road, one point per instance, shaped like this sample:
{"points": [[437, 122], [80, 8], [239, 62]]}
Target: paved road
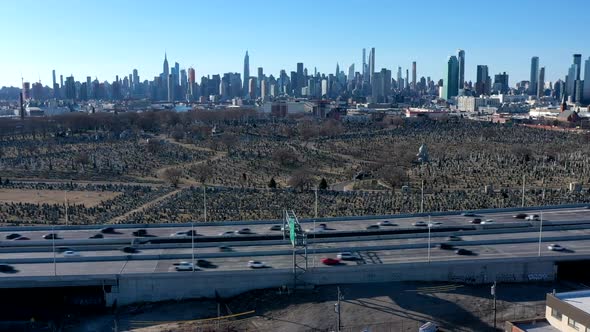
{"points": [[285, 261], [573, 215]]}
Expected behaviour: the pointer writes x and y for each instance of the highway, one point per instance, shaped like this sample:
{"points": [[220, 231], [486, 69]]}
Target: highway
{"points": [[571, 229]]}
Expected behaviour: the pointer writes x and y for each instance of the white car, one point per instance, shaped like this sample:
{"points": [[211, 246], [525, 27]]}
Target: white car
{"points": [[71, 253], [184, 266], [555, 247], [532, 217], [228, 233], [436, 223], [315, 230], [386, 223], [346, 256], [420, 223], [487, 221], [256, 264], [179, 233]]}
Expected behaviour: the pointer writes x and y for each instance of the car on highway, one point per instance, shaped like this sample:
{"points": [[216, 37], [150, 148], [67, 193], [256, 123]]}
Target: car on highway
{"points": [[446, 246], [587, 207], [62, 249], [204, 263], [436, 223], [464, 252], [373, 227], [324, 226], [468, 214], [476, 221], [420, 224], [5, 268], [330, 261], [454, 238], [225, 249], [50, 236], [532, 217], [519, 216], [315, 230], [179, 233], [140, 232], [22, 238], [555, 247], [97, 236], [244, 231], [107, 230], [184, 266], [276, 228], [227, 233], [256, 264], [488, 221], [12, 236], [386, 223], [129, 250], [71, 253], [347, 256]]}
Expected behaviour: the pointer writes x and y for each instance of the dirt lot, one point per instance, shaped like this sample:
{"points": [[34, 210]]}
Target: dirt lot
{"points": [[88, 198], [371, 307]]}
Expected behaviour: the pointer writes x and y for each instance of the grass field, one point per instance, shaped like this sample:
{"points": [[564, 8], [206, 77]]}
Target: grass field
{"points": [[88, 198]]}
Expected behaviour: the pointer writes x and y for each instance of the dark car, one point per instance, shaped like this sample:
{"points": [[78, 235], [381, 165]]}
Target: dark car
{"points": [[476, 221], [225, 249], [468, 214], [373, 227], [462, 251], [140, 232], [192, 233], [519, 216], [22, 238], [12, 236], [97, 236], [244, 231], [454, 238], [204, 263], [275, 227], [5, 268], [107, 230], [446, 246], [50, 236], [129, 250]]}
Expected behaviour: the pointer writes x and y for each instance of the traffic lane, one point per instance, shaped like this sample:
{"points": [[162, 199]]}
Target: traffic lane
{"points": [[256, 249], [69, 268], [215, 230]]}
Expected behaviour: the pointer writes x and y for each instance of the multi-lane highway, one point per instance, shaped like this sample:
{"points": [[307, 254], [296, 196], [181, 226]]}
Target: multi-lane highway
{"points": [[35, 257]]}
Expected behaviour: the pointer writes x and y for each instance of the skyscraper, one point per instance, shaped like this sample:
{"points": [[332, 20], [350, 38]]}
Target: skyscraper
{"points": [[166, 68], [451, 78], [53, 74], [578, 63], [482, 83], [350, 73], [586, 90], [414, 75], [541, 83], [533, 82], [461, 69], [371, 65], [170, 89], [364, 69], [400, 85], [501, 83], [246, 79]]}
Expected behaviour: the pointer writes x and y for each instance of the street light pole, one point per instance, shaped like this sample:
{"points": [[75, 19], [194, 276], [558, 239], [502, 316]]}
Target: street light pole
{"points": [[422, 198], [193, 243], [204, 203], [540, 232], [338, 311], [429, 226], [523, 181], [493, 290], [66, 202], [53, 248]]}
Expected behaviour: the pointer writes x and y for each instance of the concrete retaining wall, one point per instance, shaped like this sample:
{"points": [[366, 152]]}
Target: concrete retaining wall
{"points": [[175, 286]]}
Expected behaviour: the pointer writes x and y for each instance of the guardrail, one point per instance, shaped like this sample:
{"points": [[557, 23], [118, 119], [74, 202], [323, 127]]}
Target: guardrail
{"points": [[279, 221]]}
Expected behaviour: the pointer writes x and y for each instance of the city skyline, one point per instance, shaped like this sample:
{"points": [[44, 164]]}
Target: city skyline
{"points": [[126, 38]]}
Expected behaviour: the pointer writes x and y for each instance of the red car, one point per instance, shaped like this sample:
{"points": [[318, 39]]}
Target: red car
{"points": [[330, 261]]}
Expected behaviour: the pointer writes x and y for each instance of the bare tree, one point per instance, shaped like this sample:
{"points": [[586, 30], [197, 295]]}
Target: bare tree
{"points": [[394, 176], [300, 179], [285, 157], [172, 175], [229, 141], [201, 172]]}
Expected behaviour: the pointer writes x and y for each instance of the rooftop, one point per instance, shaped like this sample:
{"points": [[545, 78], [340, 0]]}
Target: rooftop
{"points": [[579, 299], [536, 326]]}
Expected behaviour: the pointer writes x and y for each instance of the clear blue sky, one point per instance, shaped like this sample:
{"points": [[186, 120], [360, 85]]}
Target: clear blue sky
{"points": [[108, 37]]}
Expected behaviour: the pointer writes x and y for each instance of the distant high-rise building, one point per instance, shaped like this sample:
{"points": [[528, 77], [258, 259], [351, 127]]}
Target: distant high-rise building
{"points": [[26, 90], [246, 73], [586, 89], [461, 65], [53, 74], [451, 78], [70, 88], [400, 85], [570, 81], [578, 63], [541, 83], [165, 93], [166, 68], [170, 89], [414, 75], [483, 82], [371, 65], [364, 69], [533, 82], [501, 83], [61, 81], [350, 73], [88, 87]]}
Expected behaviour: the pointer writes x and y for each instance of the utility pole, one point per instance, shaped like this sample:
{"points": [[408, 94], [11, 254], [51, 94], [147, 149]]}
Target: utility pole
{"points": [[205, 203], [66, 202], [422, 199], [540, 232], [523, 182], [493, 291], [429, 226], [193, 243], [316, 204], [337, 309], [53, 248]]}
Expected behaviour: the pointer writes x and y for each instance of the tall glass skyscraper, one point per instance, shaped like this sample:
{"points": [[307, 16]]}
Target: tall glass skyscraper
{"points": [[246, 74], [451, 80], [533, 82]]}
